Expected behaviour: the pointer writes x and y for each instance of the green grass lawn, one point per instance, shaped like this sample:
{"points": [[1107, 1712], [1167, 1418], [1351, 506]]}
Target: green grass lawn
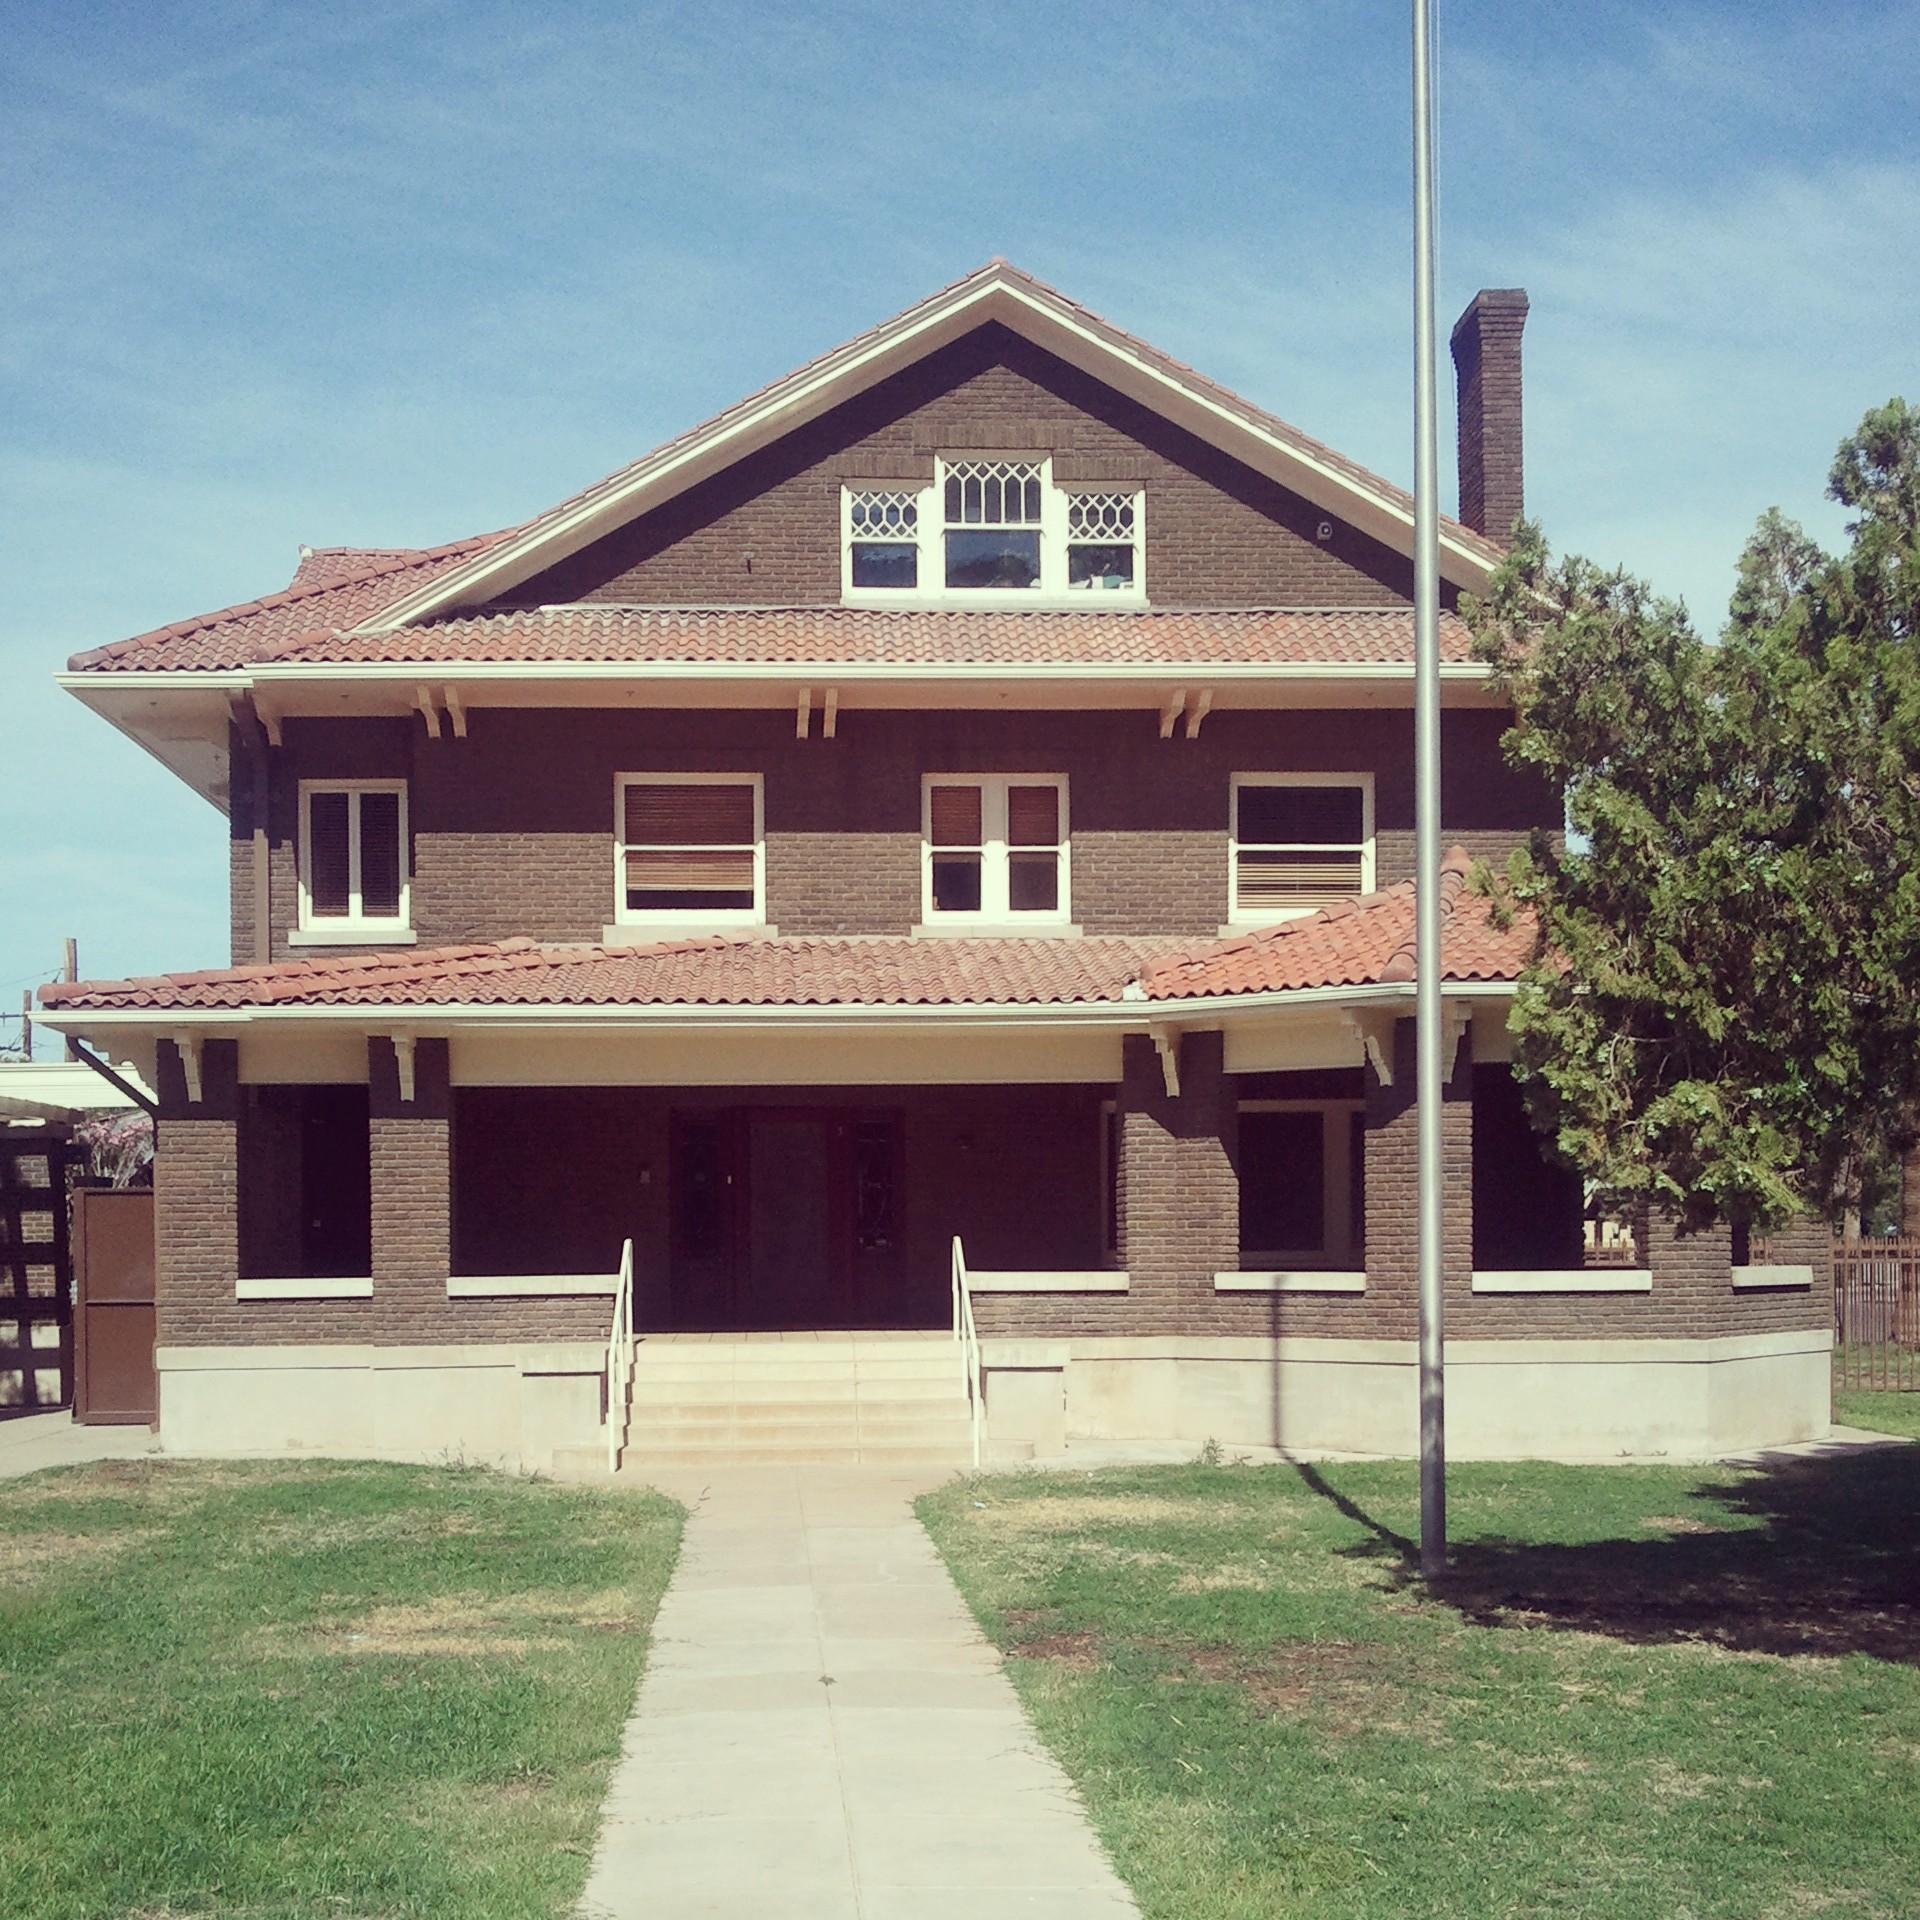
{"points": [[1644, 1693], [1880, 1412], [313, 1689]]}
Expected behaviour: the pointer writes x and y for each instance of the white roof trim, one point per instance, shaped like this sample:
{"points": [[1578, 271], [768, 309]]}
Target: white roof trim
{"points": [[1132, 1015], [994, 293]]}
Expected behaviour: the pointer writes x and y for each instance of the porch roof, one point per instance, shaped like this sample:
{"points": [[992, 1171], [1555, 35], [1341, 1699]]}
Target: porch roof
{"points": [[1365, 942]]}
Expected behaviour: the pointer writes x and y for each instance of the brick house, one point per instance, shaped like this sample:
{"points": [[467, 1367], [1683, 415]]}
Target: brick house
{"points": [[960, 793]]}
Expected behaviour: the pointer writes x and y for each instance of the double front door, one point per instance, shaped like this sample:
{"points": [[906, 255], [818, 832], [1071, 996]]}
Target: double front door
{"points": [[787, 1218]]}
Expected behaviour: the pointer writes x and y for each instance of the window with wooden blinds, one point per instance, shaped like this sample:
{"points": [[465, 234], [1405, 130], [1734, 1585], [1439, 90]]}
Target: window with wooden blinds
{"points": [[353, 858], [996, 848], [1299, 841], [689, 848]]}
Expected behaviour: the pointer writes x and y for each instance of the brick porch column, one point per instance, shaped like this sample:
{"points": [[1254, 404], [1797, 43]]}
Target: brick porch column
{"points": [[412, 1166], [1392, 1152], [1179, 1191], [196, 1196]]}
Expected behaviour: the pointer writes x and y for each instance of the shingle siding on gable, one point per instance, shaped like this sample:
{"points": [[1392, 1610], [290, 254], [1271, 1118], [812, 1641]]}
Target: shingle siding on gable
{"points": [[767, 531], [512, 827]]}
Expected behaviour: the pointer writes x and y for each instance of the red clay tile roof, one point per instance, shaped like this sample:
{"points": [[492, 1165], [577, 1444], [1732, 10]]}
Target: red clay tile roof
{"points": [[881, 971], [335, 587], [1361, 942], [887, 636], [1356, 943]]}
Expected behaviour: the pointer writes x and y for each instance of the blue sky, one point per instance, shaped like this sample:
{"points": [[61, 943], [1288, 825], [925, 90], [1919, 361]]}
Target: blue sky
{"points": [[391, 275]]}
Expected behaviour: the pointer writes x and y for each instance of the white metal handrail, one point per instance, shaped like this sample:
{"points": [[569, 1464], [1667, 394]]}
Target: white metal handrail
{"points": [[619, 1356], [968, 1341]]}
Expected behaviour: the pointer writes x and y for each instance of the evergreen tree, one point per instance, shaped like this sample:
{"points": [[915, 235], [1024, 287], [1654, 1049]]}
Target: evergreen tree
{"points": [[1724, 1015]]}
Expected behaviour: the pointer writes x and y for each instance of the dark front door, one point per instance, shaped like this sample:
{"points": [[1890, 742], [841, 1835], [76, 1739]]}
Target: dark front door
{"points": [[787, 1218], [114, 1263]]}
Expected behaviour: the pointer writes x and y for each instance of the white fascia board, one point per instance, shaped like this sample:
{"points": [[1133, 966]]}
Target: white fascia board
{"points": [[1134, 1016], [815, 673], [789, 403]]}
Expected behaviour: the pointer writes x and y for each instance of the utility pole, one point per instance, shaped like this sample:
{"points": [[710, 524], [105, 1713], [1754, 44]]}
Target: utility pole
{"points": [[26, 1025], [1426, 816]]}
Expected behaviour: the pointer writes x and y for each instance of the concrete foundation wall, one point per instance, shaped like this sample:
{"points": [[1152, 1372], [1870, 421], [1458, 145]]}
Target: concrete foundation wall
{"points": [[1506, 1399]]}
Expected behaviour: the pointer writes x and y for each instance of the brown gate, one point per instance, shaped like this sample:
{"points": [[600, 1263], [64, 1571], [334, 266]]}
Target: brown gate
{"points": [[113, 1261], [36, 1279], [1876, 1314]]}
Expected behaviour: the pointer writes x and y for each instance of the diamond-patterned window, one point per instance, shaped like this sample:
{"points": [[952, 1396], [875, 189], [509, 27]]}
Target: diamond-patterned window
{"points": [[1102, 540], [883, 532]]}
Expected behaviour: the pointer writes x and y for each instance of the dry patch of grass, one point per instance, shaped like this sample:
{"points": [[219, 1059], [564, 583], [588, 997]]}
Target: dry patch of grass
{"points": [[1063, 1512], [29, 1557]]}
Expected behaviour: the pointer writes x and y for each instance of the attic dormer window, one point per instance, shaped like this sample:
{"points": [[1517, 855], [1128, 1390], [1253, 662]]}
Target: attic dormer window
{"points": [[992, 529], [992, 523]]}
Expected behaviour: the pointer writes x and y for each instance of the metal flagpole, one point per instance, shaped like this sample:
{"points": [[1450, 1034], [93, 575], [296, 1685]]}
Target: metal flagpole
{"points": [[1426, 757]]}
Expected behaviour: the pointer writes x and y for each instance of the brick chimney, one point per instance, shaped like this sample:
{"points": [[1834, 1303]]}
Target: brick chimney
{"points": [[1486, 361]]}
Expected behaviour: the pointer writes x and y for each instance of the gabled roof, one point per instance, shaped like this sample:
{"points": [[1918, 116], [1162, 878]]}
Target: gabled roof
{"points": [[999, 292], [1358, 943]]}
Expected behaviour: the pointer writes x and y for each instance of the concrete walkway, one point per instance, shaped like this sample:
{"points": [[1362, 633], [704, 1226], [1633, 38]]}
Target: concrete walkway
{"points": [[31, 1441], [823, 1731]]}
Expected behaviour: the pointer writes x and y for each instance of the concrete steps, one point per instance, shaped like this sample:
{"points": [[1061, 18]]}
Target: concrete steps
{"points": [[878, 1399]]}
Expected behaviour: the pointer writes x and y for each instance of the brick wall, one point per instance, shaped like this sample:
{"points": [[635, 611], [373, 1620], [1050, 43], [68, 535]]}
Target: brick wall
{"points": [[767, 530], [512, 827]]}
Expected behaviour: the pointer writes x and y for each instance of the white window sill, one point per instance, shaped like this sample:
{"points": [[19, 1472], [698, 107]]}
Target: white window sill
{"points": [[1081, 600], [1103, 1280], [343, 933], [643, 933], [1289, 1280], [954, 929], [357, 1289], [1567, 1280], [529, 1286], [1776, 1276]]}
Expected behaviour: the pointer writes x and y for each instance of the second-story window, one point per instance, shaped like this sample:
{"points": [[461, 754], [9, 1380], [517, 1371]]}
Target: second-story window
{"points": [[1101, 541], [1298, 841], [996, 848], [353, 859], [689, 849]]}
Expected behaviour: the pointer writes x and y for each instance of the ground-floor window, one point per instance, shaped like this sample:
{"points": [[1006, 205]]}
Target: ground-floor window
{"points": [[305, 1183], [1529, 1212], [1302, 1172]]}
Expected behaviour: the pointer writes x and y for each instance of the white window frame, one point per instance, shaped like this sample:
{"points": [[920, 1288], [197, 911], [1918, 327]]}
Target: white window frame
{"points": [[355, 925], [686, 919], [1240, 917], [1336, 1190], [994, 911], [930, 528]]}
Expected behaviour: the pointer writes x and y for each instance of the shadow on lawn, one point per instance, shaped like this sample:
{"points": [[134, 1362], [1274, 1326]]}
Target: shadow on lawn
{"points": [[1833, 1566]]}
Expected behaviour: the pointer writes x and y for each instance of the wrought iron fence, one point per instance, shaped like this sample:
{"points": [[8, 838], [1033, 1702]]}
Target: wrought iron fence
{"points": [[1876, 1314]]}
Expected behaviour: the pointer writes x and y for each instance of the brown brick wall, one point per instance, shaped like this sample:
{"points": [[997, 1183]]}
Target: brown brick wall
{"points": [[513, 827], [767, 530]]}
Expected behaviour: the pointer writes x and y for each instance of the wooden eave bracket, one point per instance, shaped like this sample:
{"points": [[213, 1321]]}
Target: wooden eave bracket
{"points": [[429, 712], [1166, 1043], [829, 713], [403, 1066], [803, 713], [1373, 1026], [456, 710], [1193, 706], [188, 1045]]}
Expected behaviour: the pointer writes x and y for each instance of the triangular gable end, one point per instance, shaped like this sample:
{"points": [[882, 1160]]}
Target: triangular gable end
{"points": [[1028, 307]]}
